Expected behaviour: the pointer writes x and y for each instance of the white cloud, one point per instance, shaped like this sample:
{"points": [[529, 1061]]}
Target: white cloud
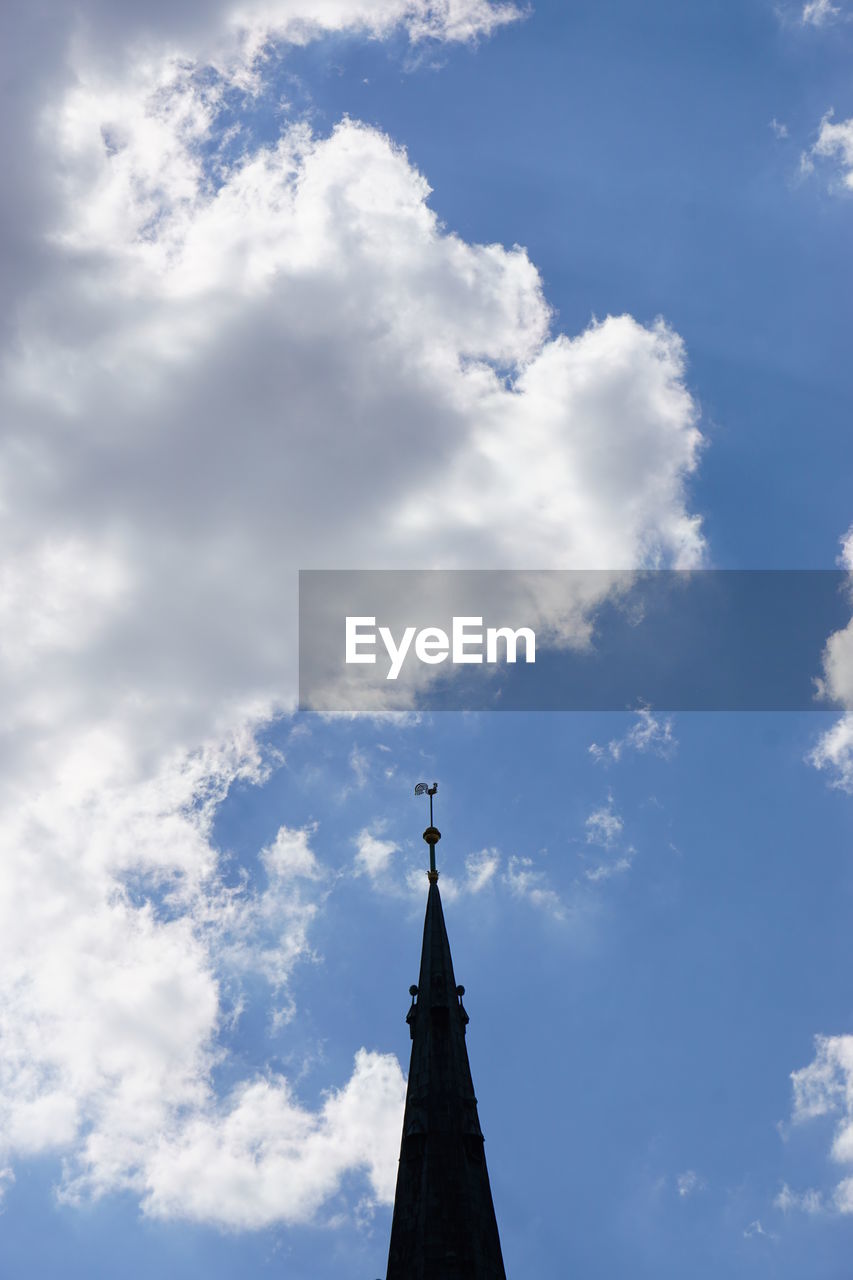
{"points": [[818, 12], [119, 966], [360, 766], [262, 1158], [834, 749], [825, 1088], [689, 1182], [779, 128], [843, 1198], [810, 1201], [291, 855], [756, 1229], [269, 930], [845, 555], [373, 856], [604, 826], [526, 881], [834, 752], [834, 142], [480, 869], [301, 20], [648, 734], [211, 365], [604, 830], [606, 870], [838, 666], [416, 885]]}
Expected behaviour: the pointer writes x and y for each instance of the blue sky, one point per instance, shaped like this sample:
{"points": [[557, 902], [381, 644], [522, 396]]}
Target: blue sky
{"points": [[242, 339]]}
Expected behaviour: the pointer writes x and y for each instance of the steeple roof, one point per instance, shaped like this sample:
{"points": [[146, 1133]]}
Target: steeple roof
{"points": [[444, 1225]]}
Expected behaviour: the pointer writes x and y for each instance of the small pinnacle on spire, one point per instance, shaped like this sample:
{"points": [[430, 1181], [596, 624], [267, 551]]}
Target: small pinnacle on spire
{"points": [[432, 835]]}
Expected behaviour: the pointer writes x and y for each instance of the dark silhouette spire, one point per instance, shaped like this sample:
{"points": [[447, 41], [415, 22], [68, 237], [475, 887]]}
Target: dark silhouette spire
{"points": [[444, 1225]]}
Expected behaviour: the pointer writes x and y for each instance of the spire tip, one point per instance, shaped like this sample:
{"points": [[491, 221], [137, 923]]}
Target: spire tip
{"points": [[432, 835]]}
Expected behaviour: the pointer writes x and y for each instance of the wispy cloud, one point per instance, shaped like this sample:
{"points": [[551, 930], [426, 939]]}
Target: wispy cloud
{"points": [[360, 765], [809, 1202], [604, 826], [266, 931], [480, 869], [527, 881], [818, 13], [382, 860], [689, 1182], [604, 830], [647, 734], [755, 1230]]}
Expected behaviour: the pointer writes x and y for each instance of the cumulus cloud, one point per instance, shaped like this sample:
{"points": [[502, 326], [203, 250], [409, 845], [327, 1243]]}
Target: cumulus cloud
{"points": [[123, 971], [220, 359], [261, 1158]]}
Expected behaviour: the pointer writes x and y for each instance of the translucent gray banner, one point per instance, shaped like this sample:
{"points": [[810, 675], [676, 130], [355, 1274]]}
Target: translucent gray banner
{"points": [[374, 642]]}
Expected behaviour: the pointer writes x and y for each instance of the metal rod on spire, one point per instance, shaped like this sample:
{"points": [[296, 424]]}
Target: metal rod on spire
{"points": [[432, 835]]}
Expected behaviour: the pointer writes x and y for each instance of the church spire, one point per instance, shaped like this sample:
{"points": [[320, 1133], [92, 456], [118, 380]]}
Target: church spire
{"points": [[444, 1225]]}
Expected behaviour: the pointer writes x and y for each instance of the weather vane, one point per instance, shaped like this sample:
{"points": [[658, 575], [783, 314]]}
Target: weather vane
{"points": [[432, 835]]}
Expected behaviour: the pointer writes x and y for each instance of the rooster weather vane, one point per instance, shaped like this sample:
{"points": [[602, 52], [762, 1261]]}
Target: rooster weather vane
{"points": [[432, 835]]}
